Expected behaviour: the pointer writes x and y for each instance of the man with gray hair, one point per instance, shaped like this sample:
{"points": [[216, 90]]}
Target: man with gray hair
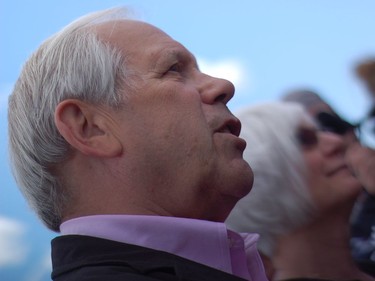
{"points": [[120, 143]]}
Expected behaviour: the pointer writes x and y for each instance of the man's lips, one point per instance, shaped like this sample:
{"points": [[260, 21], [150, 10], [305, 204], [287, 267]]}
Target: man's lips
{"points": [[231, 126], [241, 144]]}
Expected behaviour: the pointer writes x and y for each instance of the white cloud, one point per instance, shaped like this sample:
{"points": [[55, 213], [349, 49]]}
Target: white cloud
{"points": [[230, 69], [13, 251], [42, 270]]}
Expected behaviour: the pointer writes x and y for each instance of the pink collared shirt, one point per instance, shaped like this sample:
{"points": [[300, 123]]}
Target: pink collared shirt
{"points": [[205, 242]]}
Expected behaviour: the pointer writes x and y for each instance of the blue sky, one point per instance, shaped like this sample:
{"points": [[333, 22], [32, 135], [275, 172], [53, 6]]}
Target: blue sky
{"points": [[265, 47]]}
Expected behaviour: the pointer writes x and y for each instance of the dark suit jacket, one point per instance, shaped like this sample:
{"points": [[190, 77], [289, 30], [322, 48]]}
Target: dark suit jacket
{"points": [[81, 258]]}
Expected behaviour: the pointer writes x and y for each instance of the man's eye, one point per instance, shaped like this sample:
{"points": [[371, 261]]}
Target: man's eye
{"points": [[175, 68]]}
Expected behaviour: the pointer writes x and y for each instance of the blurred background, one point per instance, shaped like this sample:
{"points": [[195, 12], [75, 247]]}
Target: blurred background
{"points": [[265, 48]]}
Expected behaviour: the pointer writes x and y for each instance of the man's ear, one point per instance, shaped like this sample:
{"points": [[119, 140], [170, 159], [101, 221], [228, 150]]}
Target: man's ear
{"points": [[87, 128]]}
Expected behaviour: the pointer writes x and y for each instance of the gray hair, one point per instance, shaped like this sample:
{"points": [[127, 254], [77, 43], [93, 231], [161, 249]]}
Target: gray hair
{"points": [[307, 98], [279, 200], [73, 63]]}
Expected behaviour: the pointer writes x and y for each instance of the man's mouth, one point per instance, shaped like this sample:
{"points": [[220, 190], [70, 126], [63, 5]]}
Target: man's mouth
{"points": [[231, 126]]}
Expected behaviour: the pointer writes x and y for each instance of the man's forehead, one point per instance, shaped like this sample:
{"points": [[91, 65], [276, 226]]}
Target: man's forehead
{"points": [[132, 35], [113, 30]]}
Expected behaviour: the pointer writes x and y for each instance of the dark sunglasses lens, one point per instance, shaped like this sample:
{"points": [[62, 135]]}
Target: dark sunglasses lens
{"points": [[307, 137], [332, 123]]}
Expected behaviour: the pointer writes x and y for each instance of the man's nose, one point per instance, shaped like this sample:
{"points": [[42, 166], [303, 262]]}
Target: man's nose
{"points": [[216, 89]]}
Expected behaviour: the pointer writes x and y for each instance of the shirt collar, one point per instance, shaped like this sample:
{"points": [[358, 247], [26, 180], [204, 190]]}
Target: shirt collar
{"points": [[205, 242]]}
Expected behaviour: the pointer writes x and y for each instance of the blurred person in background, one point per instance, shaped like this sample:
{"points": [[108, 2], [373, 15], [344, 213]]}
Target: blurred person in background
{"points": [[363, 215], [362, 157], [302, 196]]}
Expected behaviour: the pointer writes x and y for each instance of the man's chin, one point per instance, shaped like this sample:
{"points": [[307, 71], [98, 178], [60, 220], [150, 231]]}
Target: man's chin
{"points": [[245, 182]]}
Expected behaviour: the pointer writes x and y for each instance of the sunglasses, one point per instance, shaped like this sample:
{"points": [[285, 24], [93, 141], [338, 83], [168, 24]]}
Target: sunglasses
{"points": [[307, 137], [332, 123], [365, 129]]}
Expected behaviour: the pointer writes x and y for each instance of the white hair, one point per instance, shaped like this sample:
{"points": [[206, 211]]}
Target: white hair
{"points": [[279, 200], [73, 63]]}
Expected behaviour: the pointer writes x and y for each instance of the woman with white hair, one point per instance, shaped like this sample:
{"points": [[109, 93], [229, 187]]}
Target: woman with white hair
{"points": [[302, 196]]}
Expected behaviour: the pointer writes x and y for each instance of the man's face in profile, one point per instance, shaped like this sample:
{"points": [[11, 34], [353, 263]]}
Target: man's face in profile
{"points": [[175, 126]]}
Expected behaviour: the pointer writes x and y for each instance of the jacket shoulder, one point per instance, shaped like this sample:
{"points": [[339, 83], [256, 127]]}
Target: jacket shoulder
{"points": [[76, 257]]}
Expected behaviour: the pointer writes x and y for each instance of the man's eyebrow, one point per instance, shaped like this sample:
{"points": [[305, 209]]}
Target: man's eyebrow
{"points": [[180, 55], [163, 57], [175, 54], [186, 56]]}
